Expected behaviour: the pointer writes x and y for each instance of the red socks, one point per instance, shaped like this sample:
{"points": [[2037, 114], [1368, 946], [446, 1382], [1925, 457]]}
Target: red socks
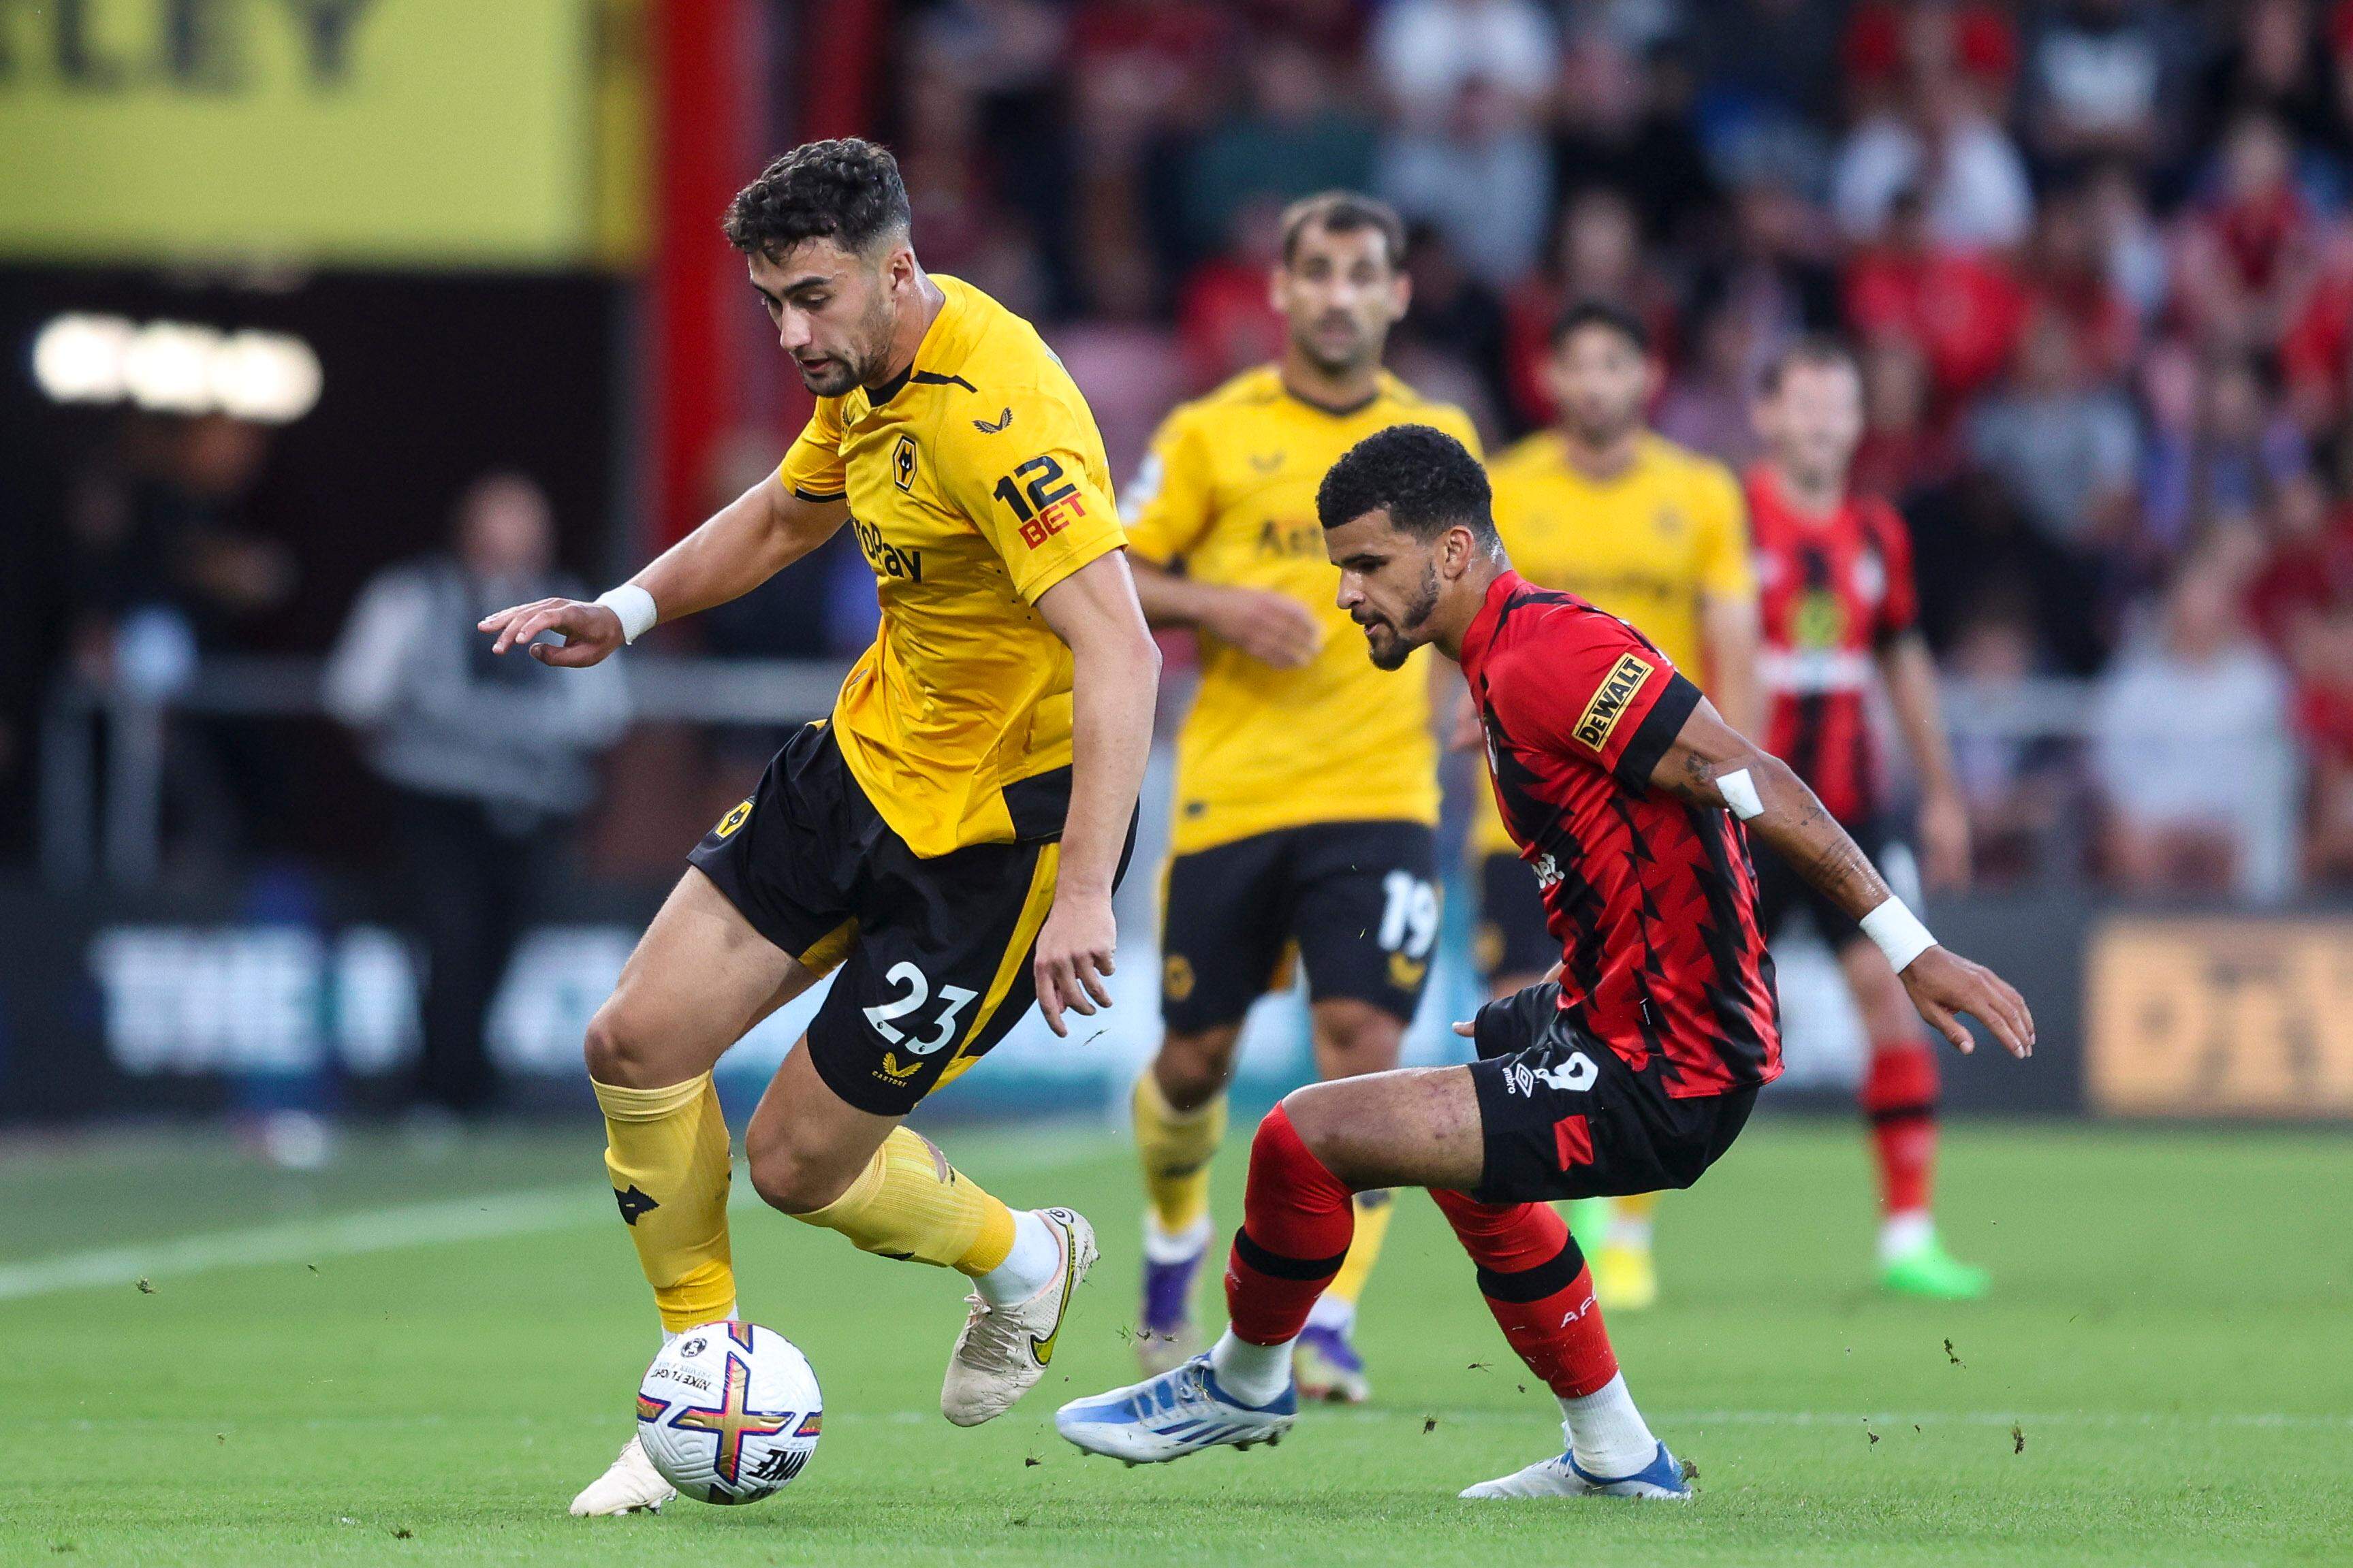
{"points": [[1538, 1285], [1899, 1096], [1297, 1221]]}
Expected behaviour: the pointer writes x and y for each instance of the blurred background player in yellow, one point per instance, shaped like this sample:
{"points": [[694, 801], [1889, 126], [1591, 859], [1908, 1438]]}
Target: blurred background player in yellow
{"points": [[1657, 535], [1306, 779], [1839, 608]]}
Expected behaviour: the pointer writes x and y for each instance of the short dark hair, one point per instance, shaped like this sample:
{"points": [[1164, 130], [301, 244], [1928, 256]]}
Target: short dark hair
{"points": [[1424, 478], [1814, 350], [1584, 314], [848, 191], [1344, 212]]}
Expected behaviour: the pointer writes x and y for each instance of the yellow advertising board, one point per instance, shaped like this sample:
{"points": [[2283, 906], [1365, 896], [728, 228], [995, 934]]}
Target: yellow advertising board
{"points": [[2220, 1017], [381, 133]]}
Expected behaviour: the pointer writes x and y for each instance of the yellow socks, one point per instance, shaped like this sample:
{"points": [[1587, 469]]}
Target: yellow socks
{"points": [[1373, 1212], [1630, 1220], [666, 1150], [1175, 1148], [910, 1203]]}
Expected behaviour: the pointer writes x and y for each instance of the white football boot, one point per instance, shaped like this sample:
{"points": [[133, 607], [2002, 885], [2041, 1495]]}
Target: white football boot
{"points": [[1004, 1351], [630, 1483], [1662, 1478]]}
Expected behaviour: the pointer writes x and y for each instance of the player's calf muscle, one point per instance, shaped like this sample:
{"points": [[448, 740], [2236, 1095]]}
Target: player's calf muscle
{"points": [[1414, 1128]]}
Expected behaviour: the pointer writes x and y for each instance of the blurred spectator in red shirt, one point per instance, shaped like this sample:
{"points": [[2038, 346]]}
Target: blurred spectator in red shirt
{"points": [[2068, 278], [1225, 324], [2251, 248], [1597, 254], [1963, 310], [1901, 450]]}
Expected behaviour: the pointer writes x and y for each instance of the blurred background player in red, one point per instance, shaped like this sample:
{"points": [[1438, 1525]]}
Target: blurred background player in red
{"points": [[1834, 573]]}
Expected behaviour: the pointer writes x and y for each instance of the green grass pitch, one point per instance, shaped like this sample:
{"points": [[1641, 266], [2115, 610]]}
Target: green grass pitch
{"points": [[2165, 1373]]}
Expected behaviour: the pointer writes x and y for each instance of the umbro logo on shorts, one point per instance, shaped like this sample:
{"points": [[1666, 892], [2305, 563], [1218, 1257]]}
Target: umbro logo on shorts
{"points": [[1574, 1076]]}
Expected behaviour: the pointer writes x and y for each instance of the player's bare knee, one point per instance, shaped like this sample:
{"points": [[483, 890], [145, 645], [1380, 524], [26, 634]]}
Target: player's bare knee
{"points": [[618, 1054], [1193, 1069], [1354, 1038], [1314, 1115], [788, 1180]]}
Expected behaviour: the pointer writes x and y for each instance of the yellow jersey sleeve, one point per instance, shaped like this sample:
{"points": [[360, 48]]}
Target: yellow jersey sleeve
{"points": [[1036, 488], [813, 469], [1170, 503], [1725, 571]]}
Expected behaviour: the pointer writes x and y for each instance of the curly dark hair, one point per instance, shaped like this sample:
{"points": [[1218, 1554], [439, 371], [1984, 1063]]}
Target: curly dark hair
{"points": [[848, 191], [1426, 480]]}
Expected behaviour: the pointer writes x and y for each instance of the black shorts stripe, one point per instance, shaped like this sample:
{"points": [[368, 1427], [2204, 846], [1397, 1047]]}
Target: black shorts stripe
{"points": [[1534, 1284], [1275, 1266]]}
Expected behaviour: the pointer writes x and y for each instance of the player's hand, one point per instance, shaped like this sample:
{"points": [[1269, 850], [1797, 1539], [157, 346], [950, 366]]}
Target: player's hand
{"points": [[1468, 734], [1074, 958], [1944, 986], [590, 632], [1273, 628], [1945, 840]]}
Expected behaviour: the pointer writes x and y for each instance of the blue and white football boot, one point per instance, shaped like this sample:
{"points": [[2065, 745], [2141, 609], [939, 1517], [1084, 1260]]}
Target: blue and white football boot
{"points": [[1181, 1412], [1662, 1477]]}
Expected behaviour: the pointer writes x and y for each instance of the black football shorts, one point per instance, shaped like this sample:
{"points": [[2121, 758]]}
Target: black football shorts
{"points": [[1511, 937], [1563, 1116], [935, 953], [1357, 901]]}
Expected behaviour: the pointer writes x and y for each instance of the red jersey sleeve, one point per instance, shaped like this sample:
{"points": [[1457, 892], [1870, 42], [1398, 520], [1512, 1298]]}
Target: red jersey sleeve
{"points": [[1899, 606], [1583, 685]]}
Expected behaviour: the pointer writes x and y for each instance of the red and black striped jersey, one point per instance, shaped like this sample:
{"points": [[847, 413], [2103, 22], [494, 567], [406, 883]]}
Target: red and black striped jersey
{"points": [[1654, 900], [1833, 591]]}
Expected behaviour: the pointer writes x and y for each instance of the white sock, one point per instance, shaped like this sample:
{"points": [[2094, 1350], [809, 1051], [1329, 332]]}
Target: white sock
{"points": [[1254, 1375], [1333, 1313], [1174, 1246], [1901, 1235], [671, 1336], [1606, 1433], [1035, 1262]]}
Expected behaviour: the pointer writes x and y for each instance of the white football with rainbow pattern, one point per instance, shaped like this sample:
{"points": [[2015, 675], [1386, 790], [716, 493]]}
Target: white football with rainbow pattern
{"points": [[729, 1411]]}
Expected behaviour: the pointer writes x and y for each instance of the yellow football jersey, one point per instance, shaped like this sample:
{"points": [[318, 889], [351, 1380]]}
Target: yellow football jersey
{"points": [[1228, 491], [976, 484], [1647, 545]]}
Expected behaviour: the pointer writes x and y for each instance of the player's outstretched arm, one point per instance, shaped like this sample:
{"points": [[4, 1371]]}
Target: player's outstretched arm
{"points": [[744, 544], [1115, 682], [1713, 764]]}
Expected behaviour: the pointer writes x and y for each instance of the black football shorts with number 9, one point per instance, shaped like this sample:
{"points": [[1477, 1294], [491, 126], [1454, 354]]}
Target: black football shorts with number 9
{"points": [[1563, 1116], [935, 953], [1357, 899]]}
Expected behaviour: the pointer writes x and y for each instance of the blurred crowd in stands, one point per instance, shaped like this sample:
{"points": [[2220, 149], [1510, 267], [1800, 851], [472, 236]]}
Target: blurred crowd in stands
{"points": [[2096, 255]]}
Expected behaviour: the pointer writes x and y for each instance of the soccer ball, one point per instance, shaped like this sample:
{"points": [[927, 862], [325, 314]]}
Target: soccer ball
{"points": [[729, 1411]]}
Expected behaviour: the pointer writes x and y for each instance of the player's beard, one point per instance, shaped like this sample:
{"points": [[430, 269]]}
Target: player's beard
{"points": [[1363, 350], [841, 374], [1390, 646], [1609, 430]]}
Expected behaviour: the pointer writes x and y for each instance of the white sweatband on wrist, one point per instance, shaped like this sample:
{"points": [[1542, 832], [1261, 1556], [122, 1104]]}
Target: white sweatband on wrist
{"points": [[1739, 792], [1898, 933], [635, 607]]}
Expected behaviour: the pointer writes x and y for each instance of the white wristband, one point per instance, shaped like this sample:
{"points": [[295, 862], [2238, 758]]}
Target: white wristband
{"points": [[1898, 933], [635, 609]]}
